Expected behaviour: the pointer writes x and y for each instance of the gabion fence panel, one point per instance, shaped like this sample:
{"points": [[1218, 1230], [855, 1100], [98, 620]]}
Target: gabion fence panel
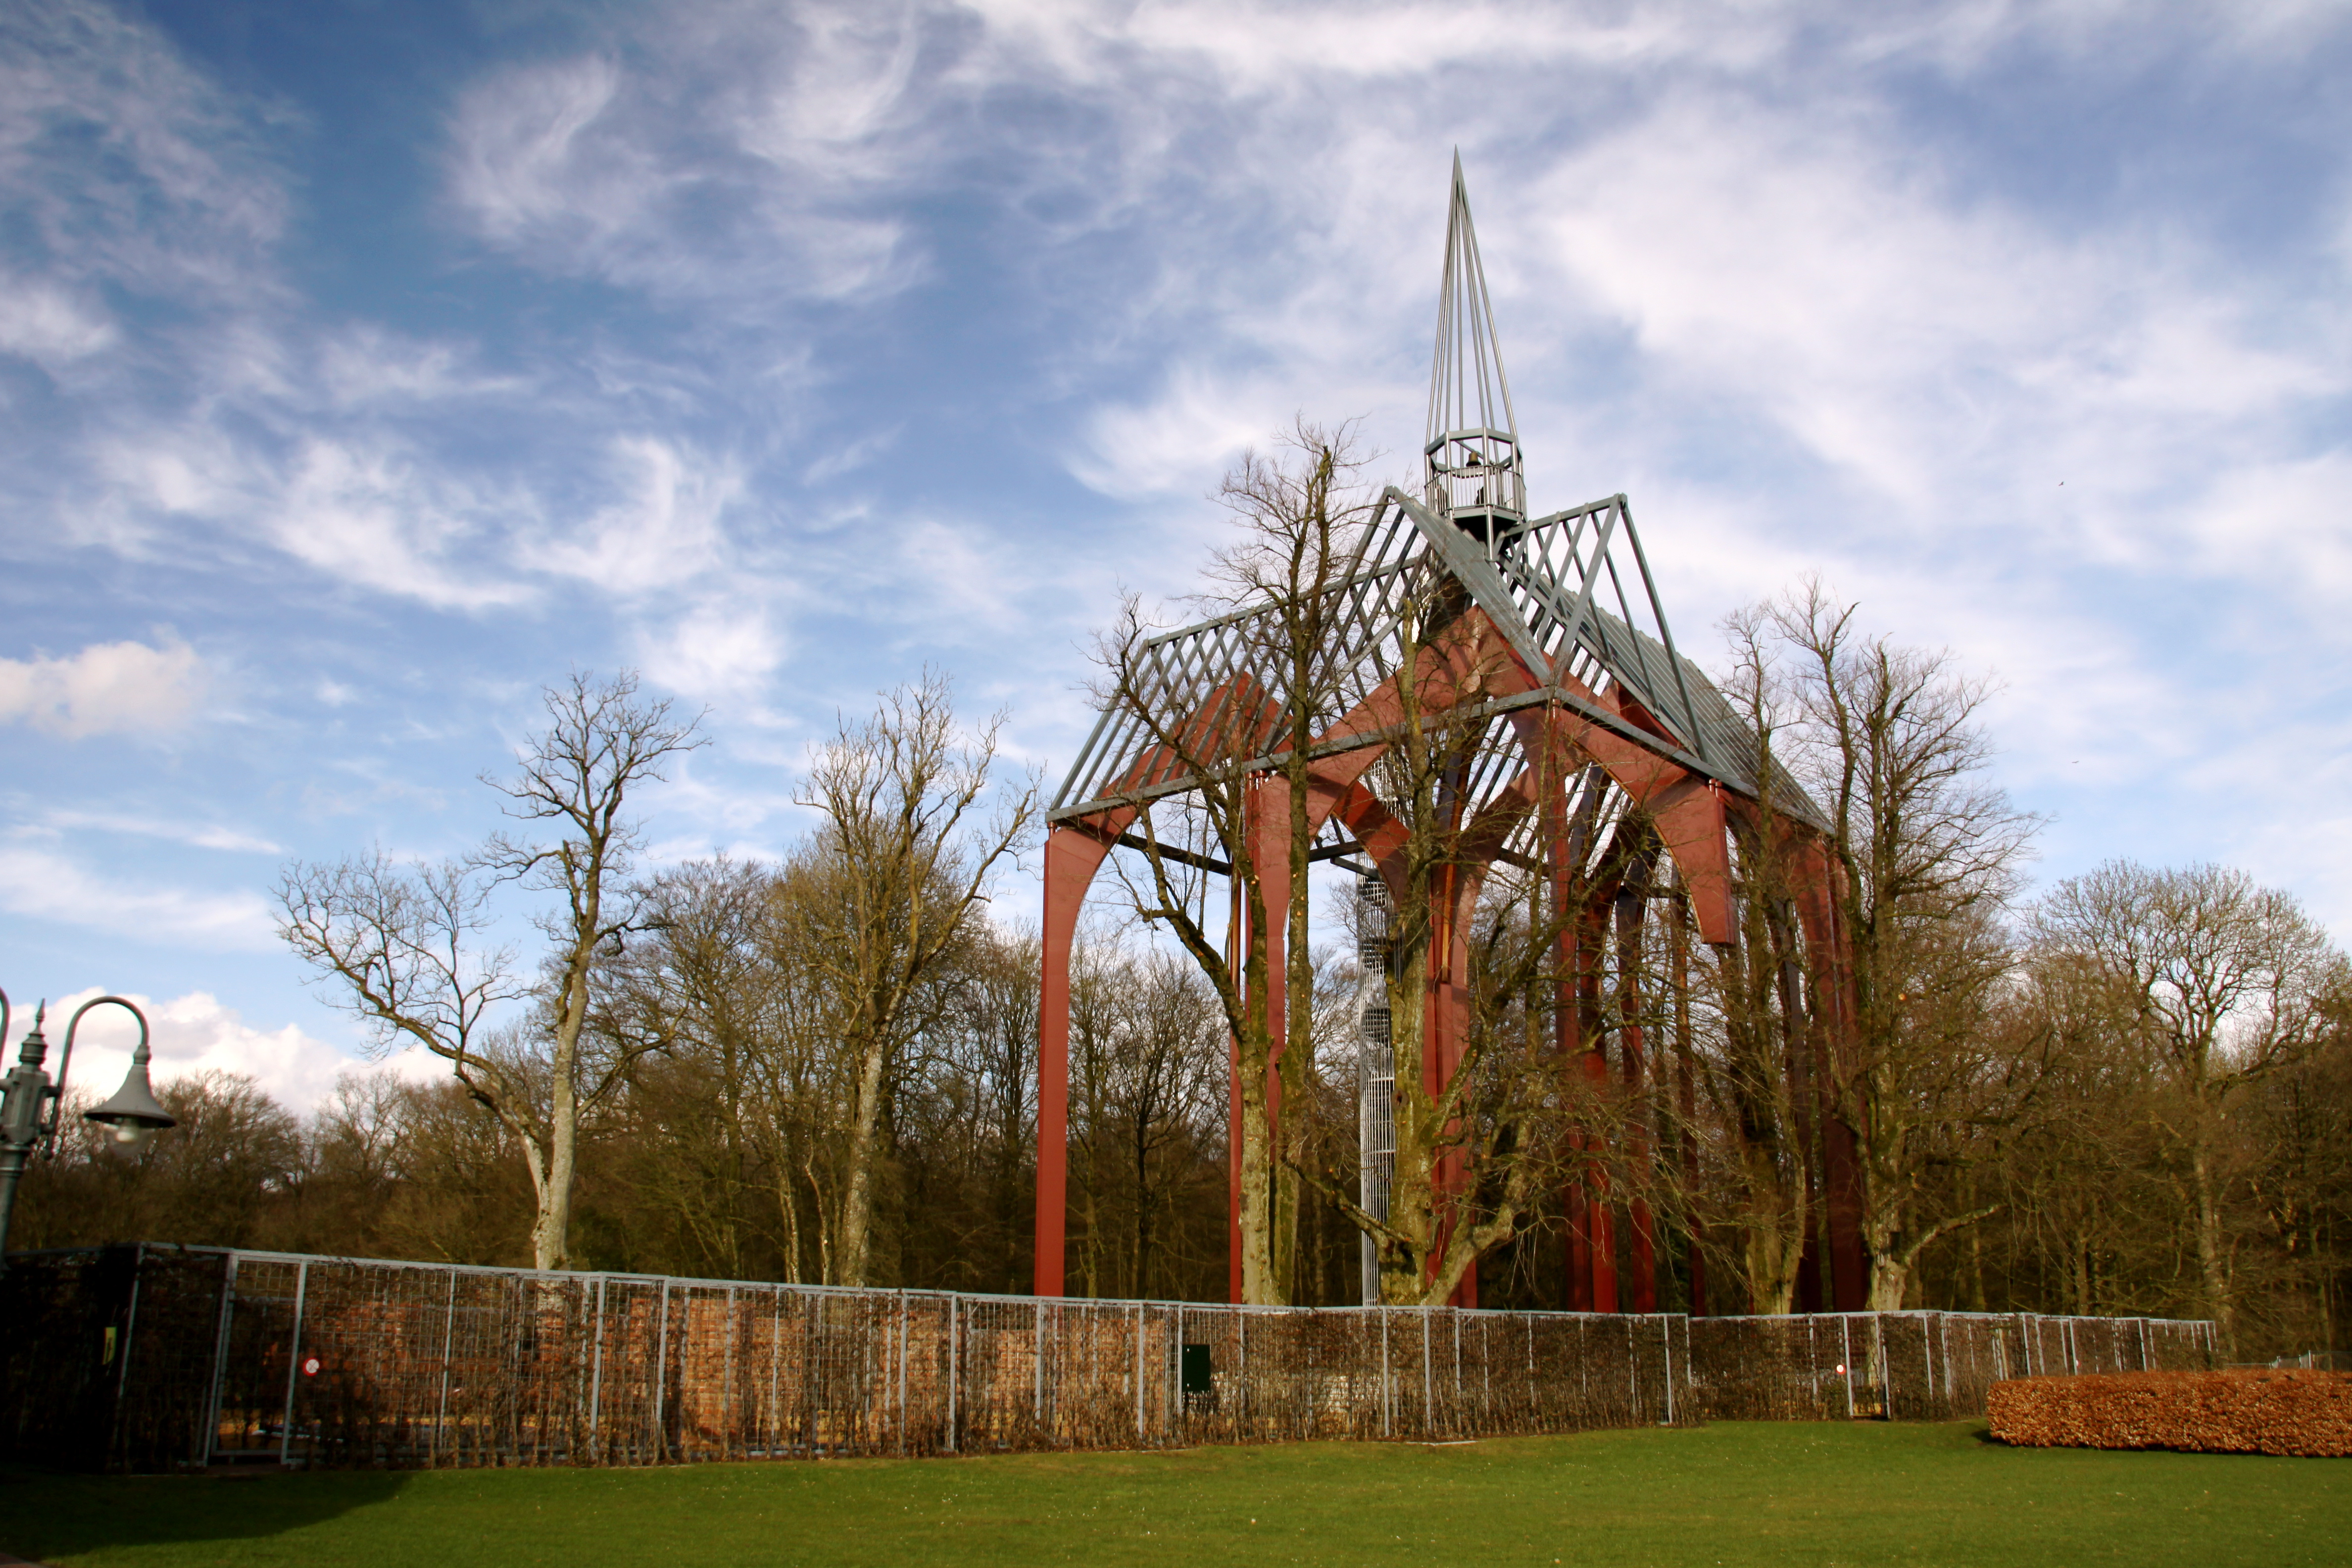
{"points": [[153, 1357], [1914, 1366]]}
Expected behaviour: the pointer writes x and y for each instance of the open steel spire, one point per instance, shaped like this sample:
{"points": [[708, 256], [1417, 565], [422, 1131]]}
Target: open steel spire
{"points": [[1472, 453]]}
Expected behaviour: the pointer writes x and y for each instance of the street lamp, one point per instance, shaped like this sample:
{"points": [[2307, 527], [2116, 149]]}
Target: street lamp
{"points": [[30, 1103]]}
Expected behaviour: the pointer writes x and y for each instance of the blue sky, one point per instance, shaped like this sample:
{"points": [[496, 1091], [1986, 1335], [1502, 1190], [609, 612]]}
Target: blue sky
{"points": [[364, 366]]}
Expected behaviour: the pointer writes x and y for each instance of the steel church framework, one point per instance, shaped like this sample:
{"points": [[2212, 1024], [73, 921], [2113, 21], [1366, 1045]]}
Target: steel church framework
{"points": [[1607, 763]]}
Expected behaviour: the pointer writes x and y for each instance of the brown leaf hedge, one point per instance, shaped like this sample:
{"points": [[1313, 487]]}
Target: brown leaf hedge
{"points": [[2263, 1411]]}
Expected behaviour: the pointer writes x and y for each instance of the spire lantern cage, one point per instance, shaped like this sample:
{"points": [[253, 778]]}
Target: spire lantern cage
{"points": [[1471, 454]]}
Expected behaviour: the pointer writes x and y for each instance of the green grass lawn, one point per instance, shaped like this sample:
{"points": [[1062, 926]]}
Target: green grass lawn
{"points": [[1732, 1494]]}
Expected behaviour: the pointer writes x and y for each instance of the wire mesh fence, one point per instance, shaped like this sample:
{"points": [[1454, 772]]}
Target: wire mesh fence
{"points": [[1914, 1366], [147, 1358]]}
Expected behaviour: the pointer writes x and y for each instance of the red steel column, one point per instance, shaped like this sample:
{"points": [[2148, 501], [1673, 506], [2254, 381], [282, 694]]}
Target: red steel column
{"points": [[1567, 1032], [1072, 859], [1265, 828], [1831, 973]]}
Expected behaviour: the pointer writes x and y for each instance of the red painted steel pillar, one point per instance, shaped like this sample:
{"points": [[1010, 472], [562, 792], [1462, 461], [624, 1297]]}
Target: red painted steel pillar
{"points": [[1265, 828], [1568, 1037], [1820, 911], [1072, 859]]}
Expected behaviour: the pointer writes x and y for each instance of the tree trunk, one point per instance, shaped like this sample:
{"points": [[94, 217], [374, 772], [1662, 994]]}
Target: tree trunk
{"points": [[2209, 1235], [857, 1191]]}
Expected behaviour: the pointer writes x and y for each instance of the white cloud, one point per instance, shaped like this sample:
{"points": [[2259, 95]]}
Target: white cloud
{"points": [[1178, 442], [367, 366], [51, 324], [847, 81], [375, 516], [106, 689], [197, 1033], [703, 175], [192, 204], [719, 649], [47, 886], [517, 168], [1783, 270], [665, 532], [2287, 525]]}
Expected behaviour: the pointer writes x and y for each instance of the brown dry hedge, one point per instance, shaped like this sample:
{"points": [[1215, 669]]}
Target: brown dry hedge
{"points": [[2255, 1412]]}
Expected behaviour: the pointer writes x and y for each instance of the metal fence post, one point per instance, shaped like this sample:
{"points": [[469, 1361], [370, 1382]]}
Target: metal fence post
{"points": [[955, 1352], [1387, 1400], [1176, 1375], [1632, 1371], [596, 1370], [293, 1364], [1486, 1366], [1240, 1364], [1456, 1318], [220, 1357], [773, 1421], [130, 1329], [661, 1375], [1845, 1342], [1428, 1392], [1667, 1362], [727, 1394], [1138, 1372], [1529, 1321], [449, 1339]]}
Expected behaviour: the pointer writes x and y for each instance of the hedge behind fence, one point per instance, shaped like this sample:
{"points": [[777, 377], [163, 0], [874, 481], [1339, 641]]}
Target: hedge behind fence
{"points": [[2257, 1412]]}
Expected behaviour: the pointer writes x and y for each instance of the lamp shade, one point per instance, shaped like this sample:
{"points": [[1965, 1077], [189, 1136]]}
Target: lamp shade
{"points": [[133, 1113]]}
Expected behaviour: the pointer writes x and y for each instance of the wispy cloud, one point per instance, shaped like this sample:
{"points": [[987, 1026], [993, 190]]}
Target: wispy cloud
{"points": [[197, 835], [47, 886], [662, 529], [700, 176]]}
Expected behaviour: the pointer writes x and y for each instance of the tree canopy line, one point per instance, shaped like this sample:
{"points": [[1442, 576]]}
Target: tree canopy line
{"points": [[2129, 1092]]}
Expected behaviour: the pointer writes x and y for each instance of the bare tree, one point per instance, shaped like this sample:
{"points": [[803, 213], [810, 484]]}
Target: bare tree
{"points": [[699, 989], [1749, 997], [2214, 985], [404, 945], [896, 870], [1149, 1063], [1891, 741], [1301, 518]]}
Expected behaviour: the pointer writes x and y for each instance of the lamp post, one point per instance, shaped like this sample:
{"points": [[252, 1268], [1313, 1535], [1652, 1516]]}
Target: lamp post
{"points": [[30, 1104]]}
